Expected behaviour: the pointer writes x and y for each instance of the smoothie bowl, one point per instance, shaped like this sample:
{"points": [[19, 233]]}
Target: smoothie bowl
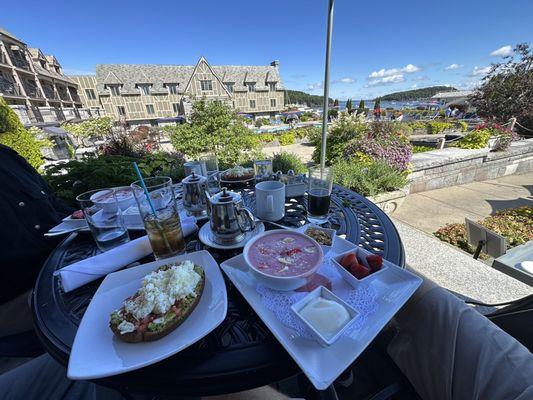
{"points": [[283, 259]]}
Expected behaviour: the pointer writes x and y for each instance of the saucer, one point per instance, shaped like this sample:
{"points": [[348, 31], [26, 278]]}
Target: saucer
{"points": [[207, 237]]}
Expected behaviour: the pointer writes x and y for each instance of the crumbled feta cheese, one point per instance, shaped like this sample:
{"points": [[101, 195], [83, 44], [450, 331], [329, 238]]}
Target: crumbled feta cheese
{"points": [[310, 249], [126, 327], [288, 240], [285, 260], [161, 289]]}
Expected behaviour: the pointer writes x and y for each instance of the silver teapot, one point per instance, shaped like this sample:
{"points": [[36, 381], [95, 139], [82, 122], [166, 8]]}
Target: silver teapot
{"points": [[229, 219], [194, 200]]}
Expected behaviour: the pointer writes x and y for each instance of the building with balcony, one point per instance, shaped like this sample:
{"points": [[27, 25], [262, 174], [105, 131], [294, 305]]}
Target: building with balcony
{"points": [[144, 94], [33, 84]]}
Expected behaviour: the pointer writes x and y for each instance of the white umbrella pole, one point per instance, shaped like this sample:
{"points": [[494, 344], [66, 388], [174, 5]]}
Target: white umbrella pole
{"points": [[326, 86]]}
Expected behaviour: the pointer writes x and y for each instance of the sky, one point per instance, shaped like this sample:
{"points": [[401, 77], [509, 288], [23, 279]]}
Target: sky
{"points": [[377, 47]]}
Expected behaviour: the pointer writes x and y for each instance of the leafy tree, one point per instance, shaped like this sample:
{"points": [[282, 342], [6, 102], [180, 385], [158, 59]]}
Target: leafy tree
{"points": [[377, 104], [507, 90], [295, 96], [215, 127], [336, 103], [361, 104], [89, 130], [349, 105], [14, 135]]}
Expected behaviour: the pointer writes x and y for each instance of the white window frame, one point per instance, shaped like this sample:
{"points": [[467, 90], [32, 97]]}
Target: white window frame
{"points": [[272, 86], [119, 113], [148, 110], [251, 87], [114, 90], [273, 103], [229, 86], [204, 82], [90, 94], [144, 89], [176, 107], [254, 104], [172, 88]]}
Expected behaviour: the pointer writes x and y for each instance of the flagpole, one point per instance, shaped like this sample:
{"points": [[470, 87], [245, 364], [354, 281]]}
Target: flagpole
{"points": [[326, 85]]}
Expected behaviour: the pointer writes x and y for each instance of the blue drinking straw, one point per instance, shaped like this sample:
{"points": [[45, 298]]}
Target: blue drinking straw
{"points": [[138, 171], [136, 167]]}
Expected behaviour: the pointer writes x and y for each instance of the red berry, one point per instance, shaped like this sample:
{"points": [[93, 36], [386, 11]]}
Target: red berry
{"points": [[359, 271], [348, 260], [375, 262]]}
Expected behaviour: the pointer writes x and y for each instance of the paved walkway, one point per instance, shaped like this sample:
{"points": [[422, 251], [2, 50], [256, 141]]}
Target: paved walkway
{"points": [[303, 150], [428, 211]]}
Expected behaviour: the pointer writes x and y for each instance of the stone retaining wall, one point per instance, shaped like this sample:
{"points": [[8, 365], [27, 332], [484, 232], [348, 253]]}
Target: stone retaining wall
{"points": [[453, 166]]}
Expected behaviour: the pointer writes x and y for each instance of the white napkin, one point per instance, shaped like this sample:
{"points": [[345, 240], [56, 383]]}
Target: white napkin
{"points": [[78, 274]]}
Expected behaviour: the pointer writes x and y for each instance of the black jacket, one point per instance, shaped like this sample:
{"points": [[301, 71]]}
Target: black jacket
{"points": [[28, 209]]}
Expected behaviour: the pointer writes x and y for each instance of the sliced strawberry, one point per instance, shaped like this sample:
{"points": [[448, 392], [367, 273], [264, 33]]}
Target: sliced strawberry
{"points": [[292, 252], [375, 262], [348, 260], [359, 271]]}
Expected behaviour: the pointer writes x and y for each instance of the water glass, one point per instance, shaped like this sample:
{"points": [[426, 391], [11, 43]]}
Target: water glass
{"points": [[161, 218], [263, 170], [209, 165], [104, 217], [193, 166], [319, 194]]}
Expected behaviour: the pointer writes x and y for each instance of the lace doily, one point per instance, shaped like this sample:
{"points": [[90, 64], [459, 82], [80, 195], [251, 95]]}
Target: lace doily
{"points": [[361, 299]]}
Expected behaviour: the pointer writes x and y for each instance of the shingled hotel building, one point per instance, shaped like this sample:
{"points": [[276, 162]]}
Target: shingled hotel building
{"points": [[144, 93]]}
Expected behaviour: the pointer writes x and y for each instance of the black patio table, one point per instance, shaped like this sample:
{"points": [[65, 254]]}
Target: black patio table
{"points": [[239, 354]]}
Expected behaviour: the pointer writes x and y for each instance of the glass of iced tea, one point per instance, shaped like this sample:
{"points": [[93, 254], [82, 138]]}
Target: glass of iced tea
{"points": [[162, 222], [319, 194]]}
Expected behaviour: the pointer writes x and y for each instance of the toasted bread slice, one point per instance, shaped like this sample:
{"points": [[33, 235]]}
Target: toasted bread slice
{"points": [[168, 321]]}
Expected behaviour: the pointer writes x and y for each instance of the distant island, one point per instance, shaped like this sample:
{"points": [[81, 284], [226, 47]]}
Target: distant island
{"points": [[297, 97], [417, 94]]}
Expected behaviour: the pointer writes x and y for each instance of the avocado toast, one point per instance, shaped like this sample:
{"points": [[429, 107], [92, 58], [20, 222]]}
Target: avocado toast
{"points": [[166, 298]]}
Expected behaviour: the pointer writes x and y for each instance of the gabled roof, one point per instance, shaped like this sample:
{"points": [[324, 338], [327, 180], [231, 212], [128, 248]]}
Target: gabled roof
{"points": [[5, 32], [454, 94], [129, 75]]}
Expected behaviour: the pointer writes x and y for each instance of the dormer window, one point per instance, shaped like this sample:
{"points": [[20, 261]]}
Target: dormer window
{"points": [[272, 86], [172, 88], [114, 89], [58, 70], [229, 86], [251, 86], [43, 64], [144, 89]]}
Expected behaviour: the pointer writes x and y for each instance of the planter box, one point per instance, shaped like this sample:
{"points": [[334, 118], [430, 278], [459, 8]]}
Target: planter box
{"points": [[389, 202]]}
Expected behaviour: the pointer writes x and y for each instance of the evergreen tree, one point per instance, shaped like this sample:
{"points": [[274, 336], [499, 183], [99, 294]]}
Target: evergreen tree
{"points": [[362, 104], [336, 103], [349, 105], [377, 104]]}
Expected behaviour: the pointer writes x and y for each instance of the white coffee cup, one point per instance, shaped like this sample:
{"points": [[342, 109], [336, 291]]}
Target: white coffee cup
{"points": [[270, 200]]}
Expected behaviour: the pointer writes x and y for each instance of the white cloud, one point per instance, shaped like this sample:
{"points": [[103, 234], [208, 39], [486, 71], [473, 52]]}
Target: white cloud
{"points": [[345, 80], [454, 66], [408, 69], [420, 78], [315, 86], [414, 86], [387, 80], [502, 51], [480, 71]]}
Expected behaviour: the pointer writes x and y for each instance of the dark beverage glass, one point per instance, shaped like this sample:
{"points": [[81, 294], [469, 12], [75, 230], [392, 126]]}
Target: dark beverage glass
{"points": [[319, 194]]}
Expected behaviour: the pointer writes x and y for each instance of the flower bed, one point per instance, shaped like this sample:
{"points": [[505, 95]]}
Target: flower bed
{"points": [[515, 224]]}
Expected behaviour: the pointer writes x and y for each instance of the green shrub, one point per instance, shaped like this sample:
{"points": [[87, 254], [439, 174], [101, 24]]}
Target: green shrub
{"points": [[462, 125], [515, 224], [421, 149], [70, 179], [418, 125], [435, 127], [477, 139], [368, 180], [286, 139], [267, 137], [286, 161], [14, 135], [307, 132]]}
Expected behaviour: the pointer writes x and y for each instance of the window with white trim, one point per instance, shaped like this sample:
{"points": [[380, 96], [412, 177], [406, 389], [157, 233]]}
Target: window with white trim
{"points": [[206, 84], [150, 109], [90, 94], [251, 86], [252, 103], [172, 88], [229, 86], [114, 89], [272, 102], [176, 107], [121, 111], [145, 89], [272, 86]]}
